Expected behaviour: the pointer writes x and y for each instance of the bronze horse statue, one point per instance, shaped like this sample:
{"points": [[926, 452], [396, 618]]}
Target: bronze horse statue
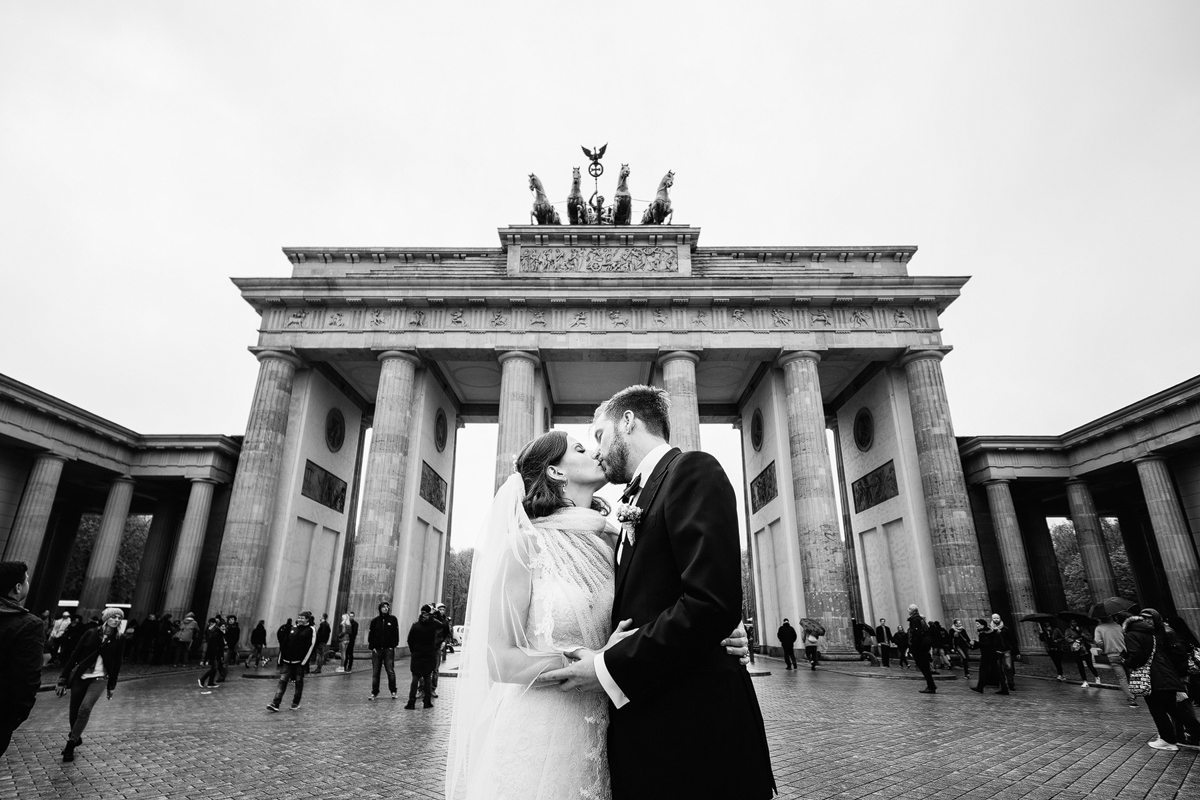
{"points": [[576, 207], [659, 212], [543, 213], [622, 199]]}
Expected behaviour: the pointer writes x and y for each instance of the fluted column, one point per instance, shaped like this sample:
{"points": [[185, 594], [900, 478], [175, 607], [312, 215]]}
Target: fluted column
{"points": [[154, 561], [377, 544], [679, 379], [1092, 548], [517, 411], [1174, 541], [822, 554], [240, 567], [103, 562], [956, 554], [33, 513], [181, 584], [1016, 564]]}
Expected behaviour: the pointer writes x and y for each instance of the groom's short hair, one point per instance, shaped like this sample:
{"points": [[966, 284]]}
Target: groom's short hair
{"points": [[649, 404]]}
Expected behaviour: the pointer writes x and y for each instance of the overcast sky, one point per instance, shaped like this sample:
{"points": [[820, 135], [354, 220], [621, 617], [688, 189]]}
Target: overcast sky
{"points": [[149, 151]]}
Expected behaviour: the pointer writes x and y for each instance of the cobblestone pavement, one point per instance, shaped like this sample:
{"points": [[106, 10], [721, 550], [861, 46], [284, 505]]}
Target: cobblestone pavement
{"points": [[833, 735]]}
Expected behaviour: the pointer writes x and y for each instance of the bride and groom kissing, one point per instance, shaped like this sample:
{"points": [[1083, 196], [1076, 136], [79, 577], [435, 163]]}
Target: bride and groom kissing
{"points": [[596, 662]]}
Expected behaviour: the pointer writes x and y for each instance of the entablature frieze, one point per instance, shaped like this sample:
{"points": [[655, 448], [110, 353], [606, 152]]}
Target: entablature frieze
{"points": [[600, 316]]}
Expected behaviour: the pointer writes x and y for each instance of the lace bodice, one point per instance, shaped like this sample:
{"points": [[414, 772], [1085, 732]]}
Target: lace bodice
{"points": [[573, 580]]}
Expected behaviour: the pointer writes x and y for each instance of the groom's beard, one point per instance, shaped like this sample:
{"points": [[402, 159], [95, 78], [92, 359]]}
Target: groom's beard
{"points": [[616, 463]]}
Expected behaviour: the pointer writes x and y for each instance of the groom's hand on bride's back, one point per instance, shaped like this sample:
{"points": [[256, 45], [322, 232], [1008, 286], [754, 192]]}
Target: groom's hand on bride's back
{"points": [[738, 644]]}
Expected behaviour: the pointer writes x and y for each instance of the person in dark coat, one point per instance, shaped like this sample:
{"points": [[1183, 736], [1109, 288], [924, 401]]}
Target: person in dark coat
{"points": [[1080, 644], [1009, 653], [295, 649], [918, 644], [233, 635], [323, 632], [258, 641], [163, 640], [147, 635], [900, 639], [787, 640], [216, 638], [960, 642], [1053, 641], [423, 660], [1149, 641], [883, 635], [70, 638], [383, 637], [92, 667], [991, 664], [22, 639]]}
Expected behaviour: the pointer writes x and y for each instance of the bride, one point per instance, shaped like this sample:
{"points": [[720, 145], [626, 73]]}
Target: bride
{"points": [[541, 586]]}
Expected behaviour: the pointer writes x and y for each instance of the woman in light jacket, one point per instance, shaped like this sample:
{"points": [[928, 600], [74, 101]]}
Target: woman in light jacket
{"points": [[91, 668]]}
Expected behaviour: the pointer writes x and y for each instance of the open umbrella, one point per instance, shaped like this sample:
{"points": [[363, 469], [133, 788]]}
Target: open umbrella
{"points": [[863, 627], [1110, 606], [1075, 616], [1039, 617], [809, 624]]}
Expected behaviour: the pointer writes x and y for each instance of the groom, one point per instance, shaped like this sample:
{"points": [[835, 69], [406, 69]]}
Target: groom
{"points": [[685, 721]]}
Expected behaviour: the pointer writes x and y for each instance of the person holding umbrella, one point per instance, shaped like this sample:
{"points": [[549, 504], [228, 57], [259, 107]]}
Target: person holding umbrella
{"points": [[1079, 643], [1054, 642]]}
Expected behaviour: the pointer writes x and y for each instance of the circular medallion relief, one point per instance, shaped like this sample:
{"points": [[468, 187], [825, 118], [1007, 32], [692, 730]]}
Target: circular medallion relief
{"points": [[335, 430], [440, 430], [864, 429], [756, 430]]}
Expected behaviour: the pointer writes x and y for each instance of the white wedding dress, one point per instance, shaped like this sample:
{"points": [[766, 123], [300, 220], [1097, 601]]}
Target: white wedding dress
{"points": [[544, 586]]}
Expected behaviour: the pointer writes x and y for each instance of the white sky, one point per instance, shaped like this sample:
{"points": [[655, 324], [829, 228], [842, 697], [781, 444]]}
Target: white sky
{"points": [[149, 151]]}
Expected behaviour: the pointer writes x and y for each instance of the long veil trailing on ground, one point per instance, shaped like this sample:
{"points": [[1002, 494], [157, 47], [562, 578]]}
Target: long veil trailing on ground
{"points": [[497, 661]]}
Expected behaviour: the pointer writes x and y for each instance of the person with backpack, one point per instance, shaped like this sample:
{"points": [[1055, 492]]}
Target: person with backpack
{"points": [[258, 641], [215, 638], [295, 650], [810, 647], [919, 646]]}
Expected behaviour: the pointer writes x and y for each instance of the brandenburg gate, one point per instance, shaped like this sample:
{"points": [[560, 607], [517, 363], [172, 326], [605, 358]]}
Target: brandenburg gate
{"points": [[785, 343]]}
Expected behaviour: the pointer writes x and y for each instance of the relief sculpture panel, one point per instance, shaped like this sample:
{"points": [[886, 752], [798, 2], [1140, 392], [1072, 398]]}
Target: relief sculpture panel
{"points": [[599, 259]]}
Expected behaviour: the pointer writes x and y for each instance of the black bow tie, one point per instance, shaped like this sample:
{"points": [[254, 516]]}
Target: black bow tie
{"points": [[632, 488]]}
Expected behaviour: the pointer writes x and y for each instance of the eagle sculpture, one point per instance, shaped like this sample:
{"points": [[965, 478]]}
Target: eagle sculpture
{"points": [[596, 156]]}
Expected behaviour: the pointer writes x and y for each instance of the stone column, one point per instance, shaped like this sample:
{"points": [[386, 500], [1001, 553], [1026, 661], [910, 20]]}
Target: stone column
{"points": [[377, 544], [679, 379], [951, 529], [1092, 548], [1172, 536], [241, 565], [154, 561], [517, 411], [822, 554], [1016, 564], [181, 584], [33, 514], [103, 563]]}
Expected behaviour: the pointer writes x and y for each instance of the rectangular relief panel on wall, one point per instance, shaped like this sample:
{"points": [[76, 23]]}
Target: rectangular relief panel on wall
{"points": [[763, 489], [323, 486], [433, 487], [875, 487]]}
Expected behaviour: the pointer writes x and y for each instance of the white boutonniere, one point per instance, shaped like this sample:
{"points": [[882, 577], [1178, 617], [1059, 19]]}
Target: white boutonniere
{"points": [[629, 516]]}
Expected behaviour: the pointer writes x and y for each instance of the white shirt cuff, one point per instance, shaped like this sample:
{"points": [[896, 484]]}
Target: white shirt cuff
{"points": [[606, 680]]}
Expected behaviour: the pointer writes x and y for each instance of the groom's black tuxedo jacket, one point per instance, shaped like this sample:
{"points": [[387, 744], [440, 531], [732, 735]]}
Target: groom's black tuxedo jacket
{"points": [[692, 727]]}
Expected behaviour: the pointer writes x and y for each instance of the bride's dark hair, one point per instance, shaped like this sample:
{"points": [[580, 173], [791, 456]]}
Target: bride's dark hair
{"points": [[543, 494]]}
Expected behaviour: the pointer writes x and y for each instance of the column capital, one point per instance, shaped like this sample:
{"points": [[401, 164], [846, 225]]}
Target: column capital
{"points": [[795, 355], [406, 355], [50, 455], [677, 355], [528, 355], [997, 482], [213, 481], [917, 353], [124, 479], [1149, 458], [265, 353], [1075, 481]]}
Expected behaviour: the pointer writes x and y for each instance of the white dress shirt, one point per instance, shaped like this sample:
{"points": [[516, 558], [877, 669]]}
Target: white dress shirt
{"points": [[644, 469]]}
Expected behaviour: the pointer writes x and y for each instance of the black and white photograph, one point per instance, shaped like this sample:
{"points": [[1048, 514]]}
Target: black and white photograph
{"points": [[619, 401]]}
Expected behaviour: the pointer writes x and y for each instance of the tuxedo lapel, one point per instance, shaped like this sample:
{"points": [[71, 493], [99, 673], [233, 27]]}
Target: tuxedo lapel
{"points": [[649, 490]]}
